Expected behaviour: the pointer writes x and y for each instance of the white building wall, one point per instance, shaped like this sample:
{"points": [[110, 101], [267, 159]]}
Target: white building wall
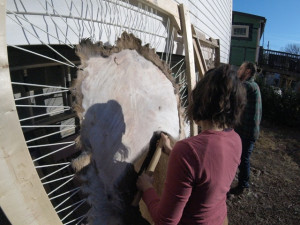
{"points": [[214, 19], [59, 22], [35, 22]]}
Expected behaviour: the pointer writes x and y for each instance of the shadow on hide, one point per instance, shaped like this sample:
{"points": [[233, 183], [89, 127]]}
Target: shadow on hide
{"points": [[107, 179]]}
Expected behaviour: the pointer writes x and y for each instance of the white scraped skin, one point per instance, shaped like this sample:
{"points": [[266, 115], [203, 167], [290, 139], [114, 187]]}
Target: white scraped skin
{"points": [[124, 98], [145, 94]]}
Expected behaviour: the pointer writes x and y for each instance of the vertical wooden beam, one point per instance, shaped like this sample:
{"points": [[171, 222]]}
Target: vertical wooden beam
{"points": [[22, 195], [68, 85], [257, 43], [217, 54], [63, 83], [28, 111], [189, 57]]}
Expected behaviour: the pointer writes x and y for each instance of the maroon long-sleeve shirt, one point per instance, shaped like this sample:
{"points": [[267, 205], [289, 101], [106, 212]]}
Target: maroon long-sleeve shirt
{"points": [[200, 171]]}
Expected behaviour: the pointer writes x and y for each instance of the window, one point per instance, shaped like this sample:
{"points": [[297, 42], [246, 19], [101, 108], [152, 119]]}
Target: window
{"points": [[240, 31]]}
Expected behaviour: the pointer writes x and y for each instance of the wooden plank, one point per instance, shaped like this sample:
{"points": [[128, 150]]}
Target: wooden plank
{"points": [[168, 7], [201, 56], [198, 62], [189, 57], [202, 67], [22, 195], [211, 42], [214, 42], [217, 54]]}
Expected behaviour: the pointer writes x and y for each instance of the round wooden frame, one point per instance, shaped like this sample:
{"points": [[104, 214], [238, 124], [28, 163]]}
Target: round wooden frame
{"points": [[22, 195]]}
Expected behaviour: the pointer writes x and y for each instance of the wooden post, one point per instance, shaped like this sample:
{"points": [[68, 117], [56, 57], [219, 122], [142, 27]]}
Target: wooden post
{"points": [[198, 63], [217, 54], [22, 195], [199, 58], [63, 83], [68, 85], [189, 57], [26, 93]]}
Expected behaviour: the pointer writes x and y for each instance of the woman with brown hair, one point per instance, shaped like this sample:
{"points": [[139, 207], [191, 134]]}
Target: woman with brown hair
{"points": [[201, 168]]}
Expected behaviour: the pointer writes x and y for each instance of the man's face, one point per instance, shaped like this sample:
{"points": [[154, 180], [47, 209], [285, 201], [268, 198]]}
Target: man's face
{"points": [[243, 73]]}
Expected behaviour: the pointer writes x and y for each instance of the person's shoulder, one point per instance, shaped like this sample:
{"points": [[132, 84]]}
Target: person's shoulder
{"points": [[236, 138], [255, 87], [247, 84], [251, 85], [235, 134], [230, 133], [187, 144], [197, 138]]}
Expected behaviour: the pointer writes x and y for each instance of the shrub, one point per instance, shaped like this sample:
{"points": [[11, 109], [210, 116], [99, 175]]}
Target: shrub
{"points": [[281, 108]]}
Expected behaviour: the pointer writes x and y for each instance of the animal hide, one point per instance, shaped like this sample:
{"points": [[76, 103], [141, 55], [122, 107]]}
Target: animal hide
{"points": [[124, 94]]}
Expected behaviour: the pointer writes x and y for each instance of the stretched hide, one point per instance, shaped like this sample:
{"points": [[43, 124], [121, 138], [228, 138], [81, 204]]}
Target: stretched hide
{"points": [[123, 95]]}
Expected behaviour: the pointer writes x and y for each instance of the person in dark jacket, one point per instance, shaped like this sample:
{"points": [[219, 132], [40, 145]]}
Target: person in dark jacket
{"points": [[250, 124]]}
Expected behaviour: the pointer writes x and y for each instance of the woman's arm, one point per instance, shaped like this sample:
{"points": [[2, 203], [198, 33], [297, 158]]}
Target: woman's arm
{"points": [[177, 189]]}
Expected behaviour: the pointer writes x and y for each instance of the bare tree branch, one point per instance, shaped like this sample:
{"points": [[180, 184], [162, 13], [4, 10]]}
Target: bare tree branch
{"points": [[293, 48]]}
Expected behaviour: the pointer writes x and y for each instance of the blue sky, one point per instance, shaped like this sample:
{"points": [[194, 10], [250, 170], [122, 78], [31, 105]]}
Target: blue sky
{"points": [[283, 20]]}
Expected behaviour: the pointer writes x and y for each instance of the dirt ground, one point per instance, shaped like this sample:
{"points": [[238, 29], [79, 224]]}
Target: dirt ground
{"points": [[274, 194]]}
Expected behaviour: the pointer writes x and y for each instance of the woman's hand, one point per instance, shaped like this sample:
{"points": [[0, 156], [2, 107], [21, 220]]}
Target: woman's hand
{"points": [[144, 182], [165, 143]]}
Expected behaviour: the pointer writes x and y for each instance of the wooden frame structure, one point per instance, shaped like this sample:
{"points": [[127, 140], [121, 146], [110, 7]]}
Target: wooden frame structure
{"points": [[22, 195]]}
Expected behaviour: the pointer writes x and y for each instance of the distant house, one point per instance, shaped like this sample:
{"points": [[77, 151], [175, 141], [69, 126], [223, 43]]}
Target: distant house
{"points": [[247, 30]]}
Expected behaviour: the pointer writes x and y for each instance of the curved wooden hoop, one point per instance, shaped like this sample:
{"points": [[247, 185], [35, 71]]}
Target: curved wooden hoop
{"points": [[22, 195]]}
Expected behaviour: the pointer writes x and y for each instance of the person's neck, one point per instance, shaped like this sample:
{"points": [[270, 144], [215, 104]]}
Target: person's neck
{"points": [[209, 125]]}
